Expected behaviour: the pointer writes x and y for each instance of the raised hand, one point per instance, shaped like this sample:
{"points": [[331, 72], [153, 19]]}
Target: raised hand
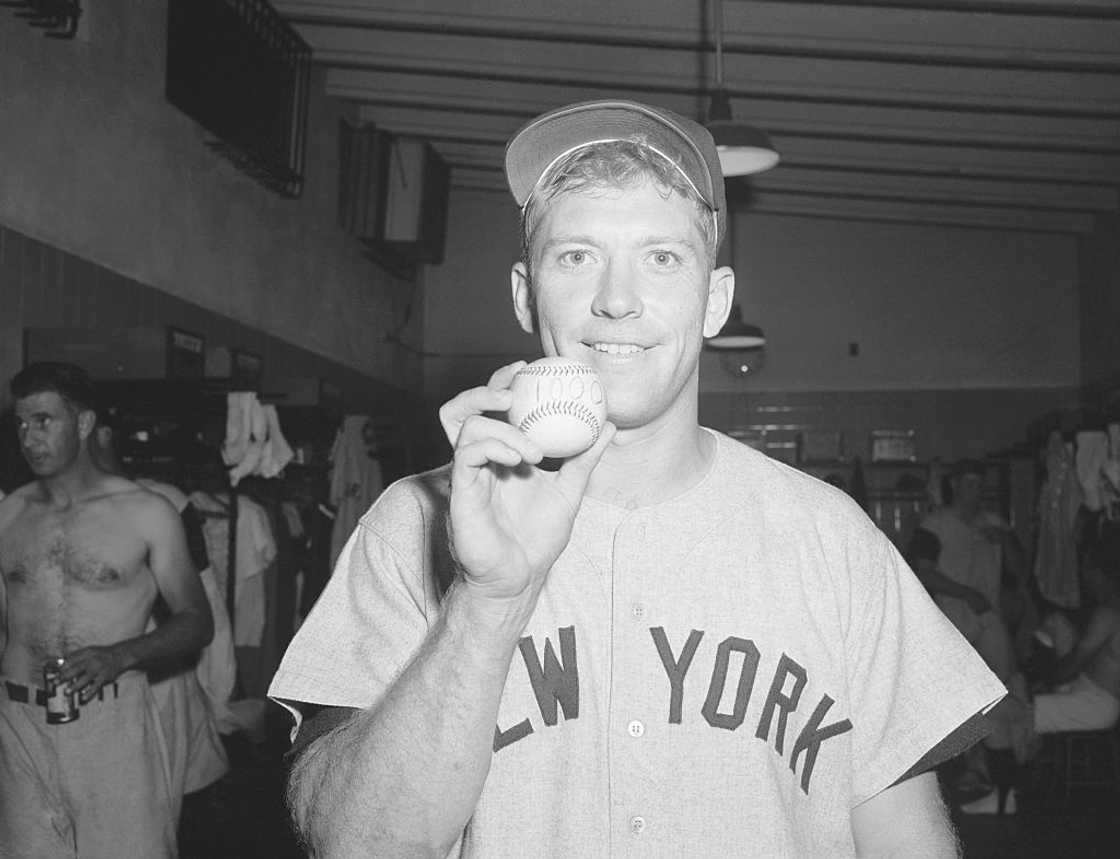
{"points": [[509, 519]]}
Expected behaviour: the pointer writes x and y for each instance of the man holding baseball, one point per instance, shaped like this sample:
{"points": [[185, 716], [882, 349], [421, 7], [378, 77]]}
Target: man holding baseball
{"points": [[669, 646]]}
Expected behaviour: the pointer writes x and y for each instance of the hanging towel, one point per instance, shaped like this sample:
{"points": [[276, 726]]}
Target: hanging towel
{"points": [[238, 426], [258, 433], [277, 453]]}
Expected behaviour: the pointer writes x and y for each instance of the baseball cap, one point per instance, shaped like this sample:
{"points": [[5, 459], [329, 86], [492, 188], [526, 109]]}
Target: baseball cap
{"points": [[541, 143]]}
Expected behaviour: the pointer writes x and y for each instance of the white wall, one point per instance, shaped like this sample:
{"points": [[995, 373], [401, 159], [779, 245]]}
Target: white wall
{"points": [[930, 307]]}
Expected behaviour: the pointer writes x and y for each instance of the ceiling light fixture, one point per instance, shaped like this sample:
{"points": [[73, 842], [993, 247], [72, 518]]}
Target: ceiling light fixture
{"points": [[743, 149], [736, 334]]}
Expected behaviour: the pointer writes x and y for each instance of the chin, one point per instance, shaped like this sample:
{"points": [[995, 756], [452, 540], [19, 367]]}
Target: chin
{"points": [[628, 419]]}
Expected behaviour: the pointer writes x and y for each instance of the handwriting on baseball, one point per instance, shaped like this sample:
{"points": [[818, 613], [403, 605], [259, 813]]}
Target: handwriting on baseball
{"points": [[571, 388]]}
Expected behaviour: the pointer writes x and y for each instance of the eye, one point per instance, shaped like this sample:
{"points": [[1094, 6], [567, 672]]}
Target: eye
{"points": [[578, 258], [664, 259], [574, 258]]}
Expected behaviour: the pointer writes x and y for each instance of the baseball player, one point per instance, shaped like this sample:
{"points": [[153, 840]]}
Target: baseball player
{"points": [[670, 646]]}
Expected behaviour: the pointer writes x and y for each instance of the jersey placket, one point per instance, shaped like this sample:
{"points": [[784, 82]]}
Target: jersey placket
{"points": [[631, 724]]}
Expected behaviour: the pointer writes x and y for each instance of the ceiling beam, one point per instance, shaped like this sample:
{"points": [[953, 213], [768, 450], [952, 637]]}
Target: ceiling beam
{"points": [[845, 33], [784, 79], [394, 93], [1105, 10]]}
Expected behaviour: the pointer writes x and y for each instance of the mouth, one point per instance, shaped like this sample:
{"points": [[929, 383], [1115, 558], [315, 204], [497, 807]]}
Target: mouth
{"points": [[616, 348]]}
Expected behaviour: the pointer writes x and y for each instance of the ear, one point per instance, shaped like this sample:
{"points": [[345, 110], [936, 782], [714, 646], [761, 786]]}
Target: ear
{"points": [[721, 289], [524, 307], [87, 420]]}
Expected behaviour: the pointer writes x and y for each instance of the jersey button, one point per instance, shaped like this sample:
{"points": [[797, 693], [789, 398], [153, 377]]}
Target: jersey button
{"points": [[638, 610], [636, 728], [637, 825]]}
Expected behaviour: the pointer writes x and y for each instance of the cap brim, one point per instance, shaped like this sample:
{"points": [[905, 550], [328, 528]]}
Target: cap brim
{"points": [[543, 141]]}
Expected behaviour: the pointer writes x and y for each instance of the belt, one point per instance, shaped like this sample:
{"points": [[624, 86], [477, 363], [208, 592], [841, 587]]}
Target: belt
{"points": [[26, 694]]}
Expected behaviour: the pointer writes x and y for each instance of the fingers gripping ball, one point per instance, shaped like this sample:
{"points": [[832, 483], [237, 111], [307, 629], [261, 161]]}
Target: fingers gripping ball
{"points": [[559, 404]]}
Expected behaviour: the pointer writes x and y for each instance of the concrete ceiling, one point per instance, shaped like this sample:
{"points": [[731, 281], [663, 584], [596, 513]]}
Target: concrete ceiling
{"points": [[986, 113]]}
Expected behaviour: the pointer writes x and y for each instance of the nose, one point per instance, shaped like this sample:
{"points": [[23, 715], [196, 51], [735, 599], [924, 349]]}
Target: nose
{"points": [[29, 437], [618, 295]]}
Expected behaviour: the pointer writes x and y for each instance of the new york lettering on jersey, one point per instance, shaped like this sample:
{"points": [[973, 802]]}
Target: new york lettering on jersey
{"points": [[555, 685]]}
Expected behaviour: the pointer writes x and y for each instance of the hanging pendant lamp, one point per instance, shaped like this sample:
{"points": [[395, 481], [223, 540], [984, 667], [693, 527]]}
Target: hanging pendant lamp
{"points": [[743, 149], [737, 334]]}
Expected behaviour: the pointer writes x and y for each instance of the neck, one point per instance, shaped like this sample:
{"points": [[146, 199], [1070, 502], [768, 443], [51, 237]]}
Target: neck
{"points": [[641, 467], [71, 484]]}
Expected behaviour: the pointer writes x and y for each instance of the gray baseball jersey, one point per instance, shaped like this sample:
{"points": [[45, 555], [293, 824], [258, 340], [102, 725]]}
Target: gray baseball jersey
{"points": [[727, 673]]}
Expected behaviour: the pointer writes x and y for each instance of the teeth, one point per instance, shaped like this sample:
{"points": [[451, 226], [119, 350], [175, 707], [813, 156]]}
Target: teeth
{"points": [[618, 348]]}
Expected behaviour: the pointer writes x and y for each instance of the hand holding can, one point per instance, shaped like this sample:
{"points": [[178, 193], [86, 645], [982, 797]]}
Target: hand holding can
{"points": [[60, 699]]}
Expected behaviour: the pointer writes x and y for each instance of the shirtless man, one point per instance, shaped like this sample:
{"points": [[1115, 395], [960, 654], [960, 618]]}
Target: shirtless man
{"points": [[1084, 685], [83, 557], [1086, 681]]}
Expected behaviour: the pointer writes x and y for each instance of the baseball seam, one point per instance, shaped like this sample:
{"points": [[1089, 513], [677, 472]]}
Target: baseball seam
{"points": [[566, 408], [556, 370]]}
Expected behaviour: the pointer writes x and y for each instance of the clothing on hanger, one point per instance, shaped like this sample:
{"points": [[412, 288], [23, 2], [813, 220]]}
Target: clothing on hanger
{"points": [[256, 550], [1092, 454], [356, 479], [1060, 499]]}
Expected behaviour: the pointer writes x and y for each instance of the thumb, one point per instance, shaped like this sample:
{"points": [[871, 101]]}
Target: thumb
{"points": [[575, 472]]}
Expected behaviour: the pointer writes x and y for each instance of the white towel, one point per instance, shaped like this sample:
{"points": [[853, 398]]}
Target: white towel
{"points": [[257, 423], [277, 452], [237, 427]]}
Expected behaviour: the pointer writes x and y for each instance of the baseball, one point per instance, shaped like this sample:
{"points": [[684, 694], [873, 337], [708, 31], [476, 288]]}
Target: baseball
{"points": [[559, 404]]}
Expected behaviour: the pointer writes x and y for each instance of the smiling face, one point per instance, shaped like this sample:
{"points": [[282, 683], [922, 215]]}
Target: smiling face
{"points": [[51, 432], [621, 281]]}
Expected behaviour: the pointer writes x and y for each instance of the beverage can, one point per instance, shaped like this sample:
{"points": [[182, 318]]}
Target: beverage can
{"points": [[61, 703]]}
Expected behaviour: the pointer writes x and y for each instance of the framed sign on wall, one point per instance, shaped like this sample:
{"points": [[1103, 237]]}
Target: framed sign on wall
{"points": [[186, 354], [246, 368]]}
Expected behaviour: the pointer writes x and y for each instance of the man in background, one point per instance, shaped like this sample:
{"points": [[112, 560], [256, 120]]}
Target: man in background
{"points": [[83, 557], [961, 553]]}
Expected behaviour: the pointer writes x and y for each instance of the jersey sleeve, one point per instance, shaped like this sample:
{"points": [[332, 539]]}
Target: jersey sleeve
{"points": [[372, 616], [915, 681]]}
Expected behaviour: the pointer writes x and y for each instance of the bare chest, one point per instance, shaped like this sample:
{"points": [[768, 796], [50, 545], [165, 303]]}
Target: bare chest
{"points": [[87, 549]]}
